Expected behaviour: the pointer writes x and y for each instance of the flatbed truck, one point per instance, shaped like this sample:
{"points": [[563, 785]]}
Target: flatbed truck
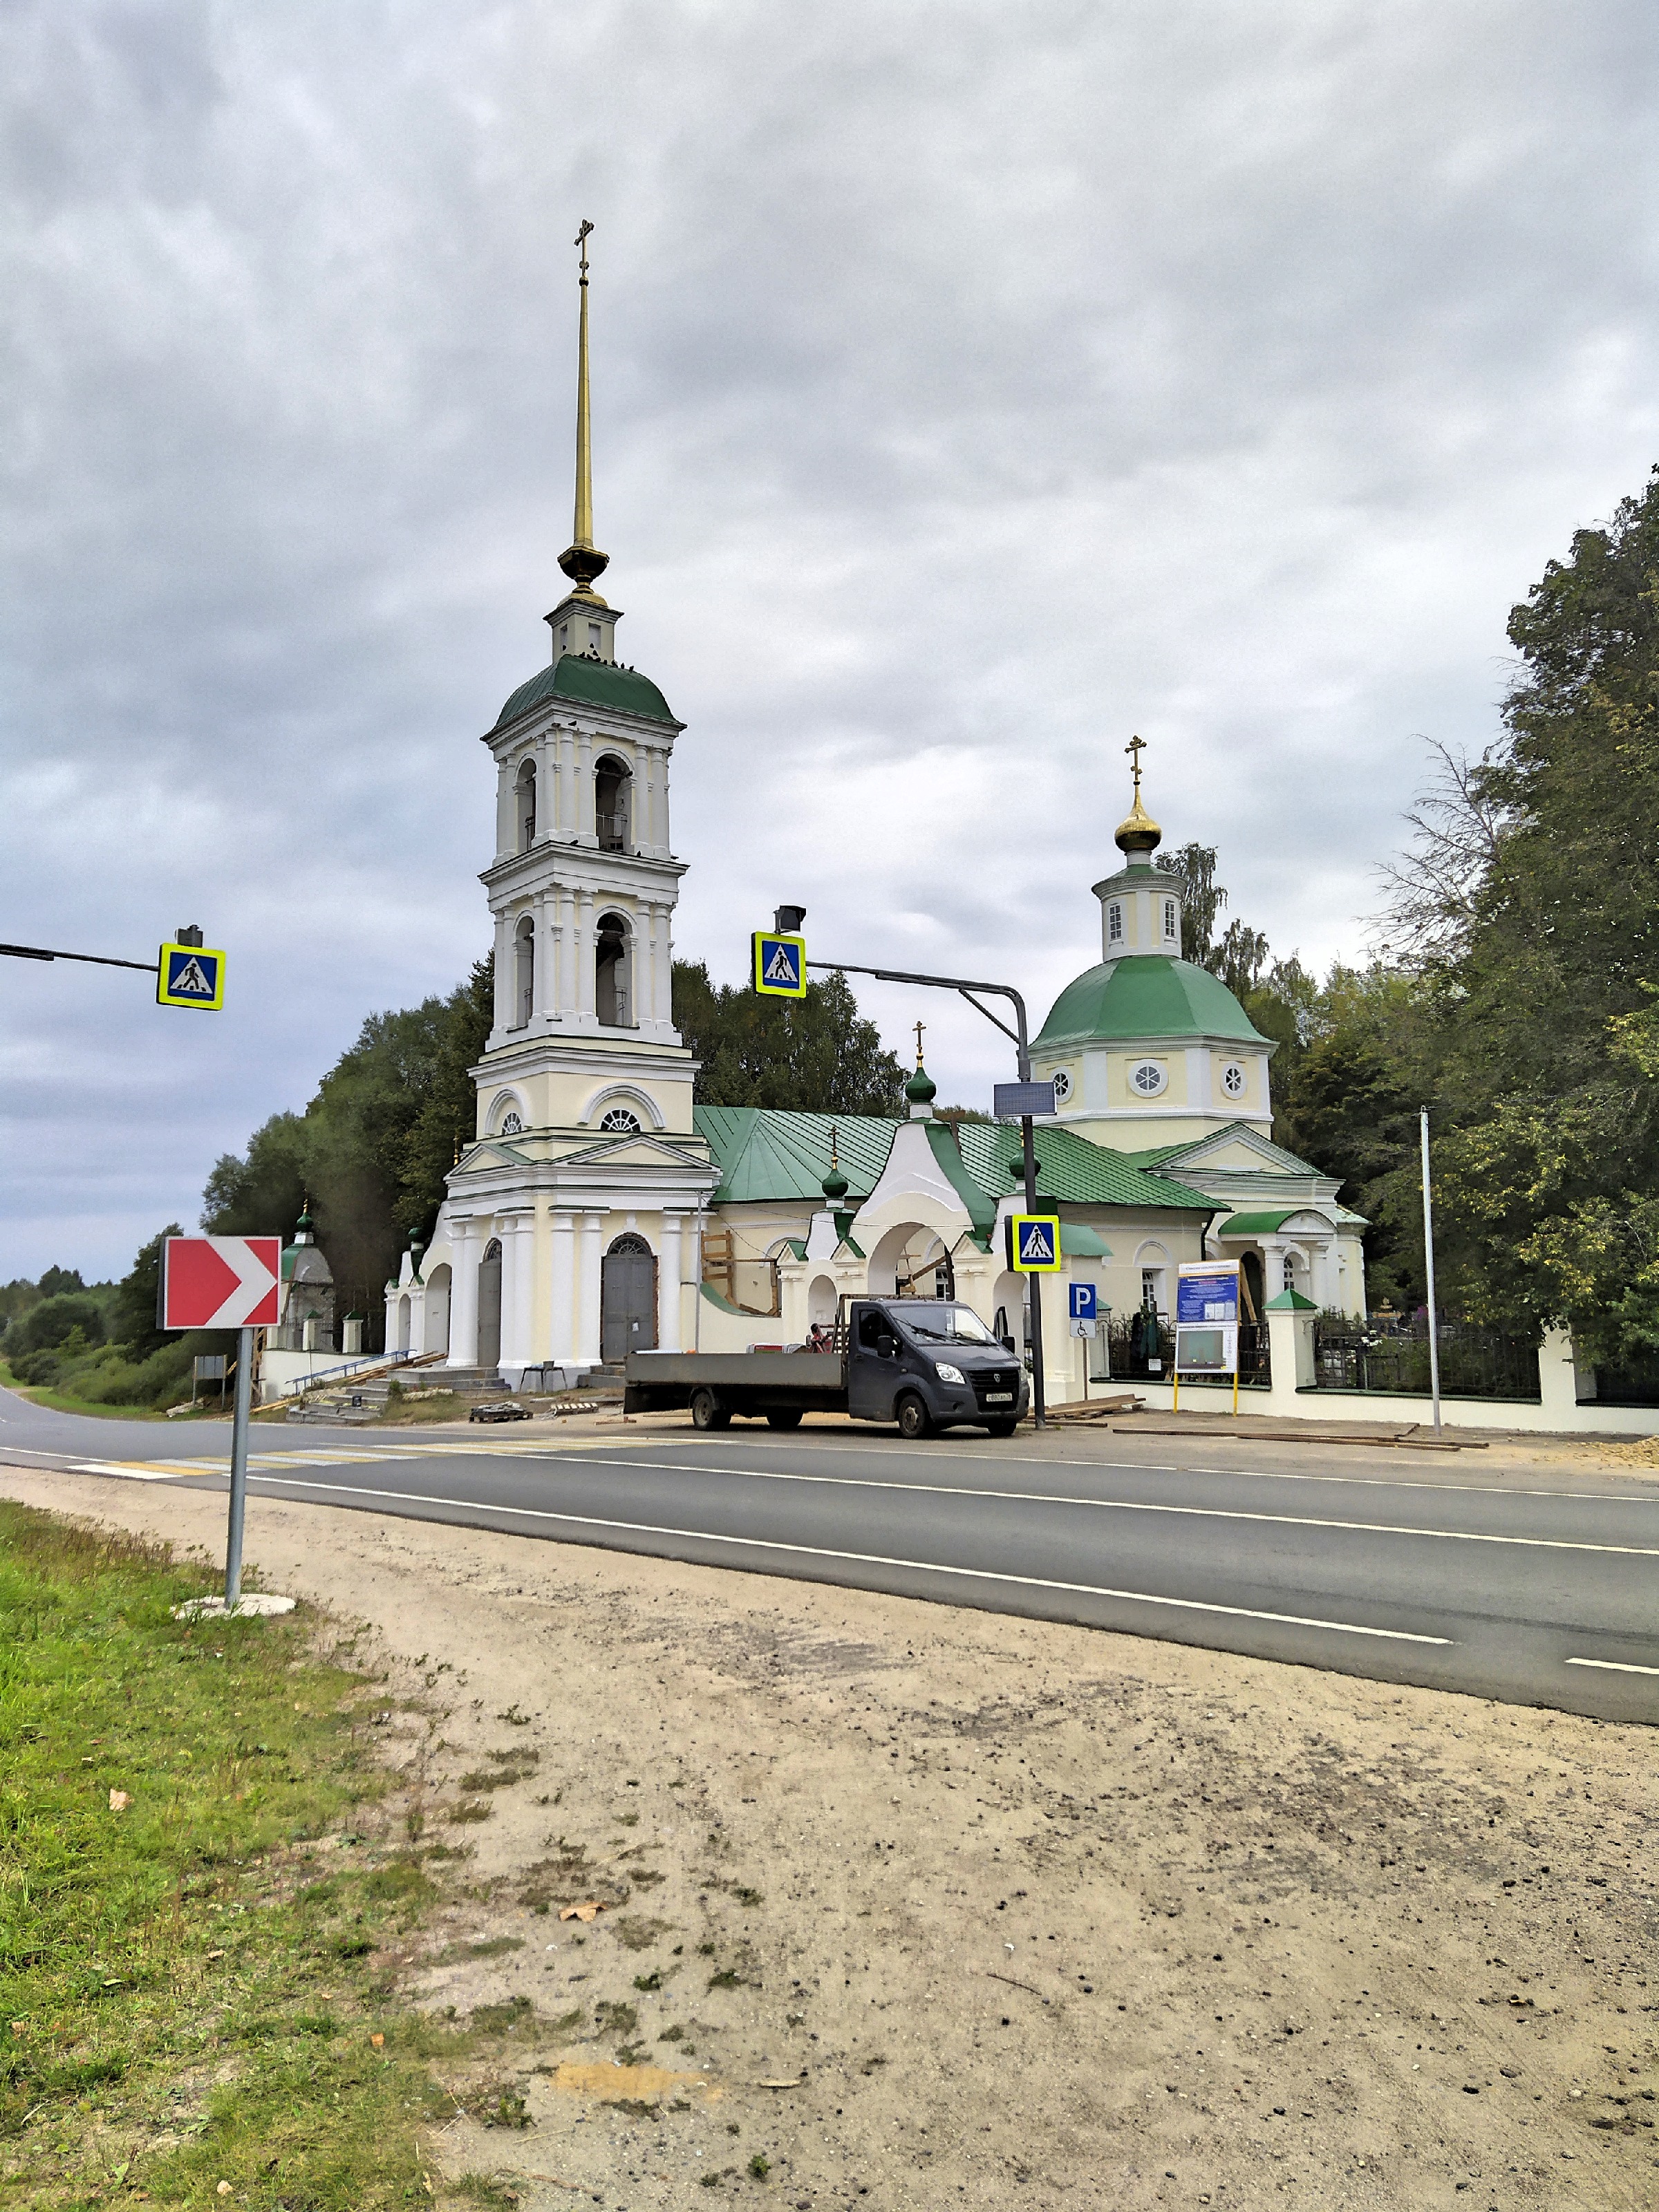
{"points": [[924, 1364]]}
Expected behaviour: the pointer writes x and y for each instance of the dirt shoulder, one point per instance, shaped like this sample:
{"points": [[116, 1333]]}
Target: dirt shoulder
{"points": [[1022, 1911]]}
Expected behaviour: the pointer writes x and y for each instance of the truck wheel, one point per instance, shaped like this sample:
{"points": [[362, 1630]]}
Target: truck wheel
{"points": [[785, 1417], [708, 1412], [913, 1419], [1001, 1428]]}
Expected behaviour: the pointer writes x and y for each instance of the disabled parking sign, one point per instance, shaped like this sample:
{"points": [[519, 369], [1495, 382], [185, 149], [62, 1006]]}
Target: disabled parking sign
{"points": [[779, 964], [1035, 1242]]}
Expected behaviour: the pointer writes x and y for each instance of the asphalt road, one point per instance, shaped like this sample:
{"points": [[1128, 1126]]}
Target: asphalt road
{"points": [[1534, 1586]]}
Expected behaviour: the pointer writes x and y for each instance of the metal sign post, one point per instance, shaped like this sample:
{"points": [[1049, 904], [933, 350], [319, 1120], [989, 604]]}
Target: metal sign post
{"points": [[225, 1282], [187, 974], [789, 919], [1428, 1262]]}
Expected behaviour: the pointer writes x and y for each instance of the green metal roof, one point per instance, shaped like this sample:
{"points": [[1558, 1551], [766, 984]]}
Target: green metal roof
{"points": [[1145, 995], [596, 683], [763, 1152], [766, 1154], [1078, 1242], [1070, 1169], [1290, 1302], [1260, 1225]]}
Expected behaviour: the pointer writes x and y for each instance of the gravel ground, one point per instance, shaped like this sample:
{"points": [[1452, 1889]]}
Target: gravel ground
{"points": [[918, 1907]]}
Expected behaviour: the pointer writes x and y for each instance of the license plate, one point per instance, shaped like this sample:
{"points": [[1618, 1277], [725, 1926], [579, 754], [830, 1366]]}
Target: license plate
{"points": [[998, 1397]]}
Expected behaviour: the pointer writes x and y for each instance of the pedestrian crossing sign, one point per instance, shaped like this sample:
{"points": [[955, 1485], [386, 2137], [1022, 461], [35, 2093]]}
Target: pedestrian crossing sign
{"points": [[779, 964], [191, 975], [1036, 1243]]}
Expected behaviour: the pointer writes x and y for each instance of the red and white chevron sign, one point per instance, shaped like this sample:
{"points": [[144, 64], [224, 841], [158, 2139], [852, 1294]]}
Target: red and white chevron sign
{"points": [[222, 1282]]}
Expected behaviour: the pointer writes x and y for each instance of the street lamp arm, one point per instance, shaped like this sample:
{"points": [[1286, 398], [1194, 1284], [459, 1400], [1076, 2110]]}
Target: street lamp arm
{"points": [[950, 983], [93, 959]]}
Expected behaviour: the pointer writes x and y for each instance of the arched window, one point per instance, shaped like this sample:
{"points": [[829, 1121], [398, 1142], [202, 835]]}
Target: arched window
{"points": [[524, 972], [620, 1122], [525, 790], [613, 784], [511, 1124], [611, 980], [1114, 922]]}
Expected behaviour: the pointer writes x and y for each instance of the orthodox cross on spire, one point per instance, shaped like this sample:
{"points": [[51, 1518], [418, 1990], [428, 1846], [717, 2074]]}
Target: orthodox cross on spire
{"points": [[921, 1026], [581, 559], [1137, 832]]}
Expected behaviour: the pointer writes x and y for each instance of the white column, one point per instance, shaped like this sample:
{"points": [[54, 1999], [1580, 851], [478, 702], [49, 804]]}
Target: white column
{"points": [[663, 836], [519, 1288], [564, 1288], [588, 1308], [645, 965], [504, 979], [668, 1284], [583, 948], [463, 1298], [664, 956], [567, 785], [506, 828], [547, 981], [546, 780], [586, 832]]}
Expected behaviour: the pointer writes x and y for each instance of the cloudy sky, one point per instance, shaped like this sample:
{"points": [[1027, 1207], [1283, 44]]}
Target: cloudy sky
{"points": [[977, 384]]}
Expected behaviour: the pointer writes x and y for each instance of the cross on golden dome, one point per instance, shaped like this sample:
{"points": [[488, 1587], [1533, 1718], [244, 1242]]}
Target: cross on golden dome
{"points": [[1137, 832]]}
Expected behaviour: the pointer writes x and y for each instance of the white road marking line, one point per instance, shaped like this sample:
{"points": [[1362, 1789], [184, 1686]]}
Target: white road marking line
{"points": [[1236, 1474], [878, 1559], [1138, 1505], [1613, 1666]]}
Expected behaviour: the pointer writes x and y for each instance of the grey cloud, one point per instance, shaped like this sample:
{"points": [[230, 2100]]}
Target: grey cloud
{"points": [[976, 386]]}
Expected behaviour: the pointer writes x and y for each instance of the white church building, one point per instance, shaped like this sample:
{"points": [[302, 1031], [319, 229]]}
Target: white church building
{"points": [[599, 1209]]}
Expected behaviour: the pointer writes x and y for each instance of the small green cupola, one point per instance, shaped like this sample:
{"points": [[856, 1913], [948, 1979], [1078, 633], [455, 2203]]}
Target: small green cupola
{"points": [[921, 1089], [834, 1185]]}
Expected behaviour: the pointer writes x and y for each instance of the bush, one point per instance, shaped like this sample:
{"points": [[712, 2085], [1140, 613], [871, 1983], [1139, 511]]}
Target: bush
{"points": [[51, 1321]]}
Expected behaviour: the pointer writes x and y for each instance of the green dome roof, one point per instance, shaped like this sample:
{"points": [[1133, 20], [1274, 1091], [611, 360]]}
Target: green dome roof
{"points": [[1146, 994], [596, 683]]}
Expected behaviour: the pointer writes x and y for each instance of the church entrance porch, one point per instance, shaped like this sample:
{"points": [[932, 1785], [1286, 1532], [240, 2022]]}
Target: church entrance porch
{"points": [[627, 1299]]}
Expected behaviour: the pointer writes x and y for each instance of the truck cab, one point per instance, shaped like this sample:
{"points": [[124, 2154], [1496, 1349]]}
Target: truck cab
{"points": [[930, 1363]]}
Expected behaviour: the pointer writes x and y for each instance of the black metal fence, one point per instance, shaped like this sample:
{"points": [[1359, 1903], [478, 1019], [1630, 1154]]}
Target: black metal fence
{"points": [[1391, 1353], [1633, 1382]]}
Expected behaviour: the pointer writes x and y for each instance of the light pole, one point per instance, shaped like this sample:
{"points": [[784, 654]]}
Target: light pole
{"points": [[1428, 1262], [967, 989]]}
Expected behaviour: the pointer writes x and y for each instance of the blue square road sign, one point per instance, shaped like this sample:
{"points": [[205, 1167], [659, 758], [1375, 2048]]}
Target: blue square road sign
{"points": [[1082, 1302], [779, 964], [1036, 1243]]}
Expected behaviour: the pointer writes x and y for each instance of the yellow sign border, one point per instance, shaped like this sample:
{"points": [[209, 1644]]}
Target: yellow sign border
{"points": [[778, 990], [1041, 1266], [213, 1006]]}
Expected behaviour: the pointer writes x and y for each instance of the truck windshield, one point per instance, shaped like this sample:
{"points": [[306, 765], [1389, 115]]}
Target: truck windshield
{"points": [[943, 1324]]}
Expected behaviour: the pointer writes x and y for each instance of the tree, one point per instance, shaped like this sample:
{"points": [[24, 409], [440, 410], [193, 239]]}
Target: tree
{"points": [[371, 1150], [137, 1298], [51, 1321], [815, 1054]]}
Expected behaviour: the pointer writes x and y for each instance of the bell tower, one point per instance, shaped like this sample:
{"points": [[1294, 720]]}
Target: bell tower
{"points": [[584, 883]]}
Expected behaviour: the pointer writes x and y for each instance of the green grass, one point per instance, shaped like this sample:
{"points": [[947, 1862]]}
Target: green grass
{"points": [[198, 1987], [63, 1401]]}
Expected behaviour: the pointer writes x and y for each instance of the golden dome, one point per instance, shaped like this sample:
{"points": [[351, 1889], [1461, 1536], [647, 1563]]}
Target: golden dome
{"points": [[1137, 832]]}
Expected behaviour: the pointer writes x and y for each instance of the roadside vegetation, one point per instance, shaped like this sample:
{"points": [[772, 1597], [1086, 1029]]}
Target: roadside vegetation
{"points": [[201, 1902]]}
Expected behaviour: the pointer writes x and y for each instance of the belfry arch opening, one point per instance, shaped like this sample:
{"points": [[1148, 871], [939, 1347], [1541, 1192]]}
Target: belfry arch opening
{"points": [[524, 805], [523, 972], [613, 973], [613, 803]]}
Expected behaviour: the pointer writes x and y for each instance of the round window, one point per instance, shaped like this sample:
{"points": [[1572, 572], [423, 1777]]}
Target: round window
{"points": [[511, 1125], [1232, 1079], [620, 1121], [1062, 1087], [1148, 1078]]}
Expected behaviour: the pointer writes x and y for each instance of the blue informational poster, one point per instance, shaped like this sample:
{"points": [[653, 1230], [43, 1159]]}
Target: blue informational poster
{"points": [[1207, 1293]]}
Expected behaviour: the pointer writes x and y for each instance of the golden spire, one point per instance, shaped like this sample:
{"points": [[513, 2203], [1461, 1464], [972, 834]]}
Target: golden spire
{"points": [[1137, 832], [581, 559]]}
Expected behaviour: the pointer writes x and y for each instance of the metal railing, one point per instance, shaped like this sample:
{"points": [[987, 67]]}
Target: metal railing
{"points": [[1390, 1354]]}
